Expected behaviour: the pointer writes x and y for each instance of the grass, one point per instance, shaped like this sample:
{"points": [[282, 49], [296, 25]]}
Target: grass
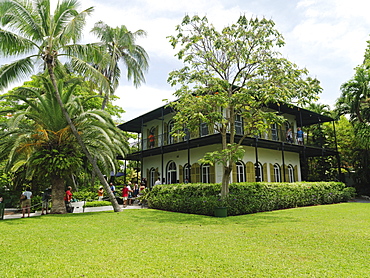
{"points": [[319, 241]]}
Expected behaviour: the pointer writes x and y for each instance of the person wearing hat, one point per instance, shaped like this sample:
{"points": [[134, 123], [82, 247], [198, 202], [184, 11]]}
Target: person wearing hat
{"points": [[100, 193]]}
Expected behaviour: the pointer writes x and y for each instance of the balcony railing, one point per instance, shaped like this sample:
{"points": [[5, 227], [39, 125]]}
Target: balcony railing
{"points": [[277, 135]]}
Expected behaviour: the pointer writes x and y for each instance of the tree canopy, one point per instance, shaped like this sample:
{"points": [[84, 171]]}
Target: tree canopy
{"points": [[235, 71]]}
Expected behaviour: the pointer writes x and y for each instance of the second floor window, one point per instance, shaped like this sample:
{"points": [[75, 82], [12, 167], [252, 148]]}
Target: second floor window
{"points": [[239, 125], [203, 129], [170, 129]]}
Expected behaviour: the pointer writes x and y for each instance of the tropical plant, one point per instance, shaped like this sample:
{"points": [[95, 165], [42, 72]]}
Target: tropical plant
{"points": [[355, 103], [30, 31], [235, 72], [39, 138], [119, 45]]}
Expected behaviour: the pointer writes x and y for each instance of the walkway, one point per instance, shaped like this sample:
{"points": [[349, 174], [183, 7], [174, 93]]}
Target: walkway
{"points": [[12, 213]]}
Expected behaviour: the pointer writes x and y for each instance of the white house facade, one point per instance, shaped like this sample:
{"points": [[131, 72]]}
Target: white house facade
{"points": [[269, 157]]}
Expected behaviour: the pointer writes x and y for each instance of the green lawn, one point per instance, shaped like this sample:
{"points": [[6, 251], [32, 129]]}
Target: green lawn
{"points": [[319, 241]]}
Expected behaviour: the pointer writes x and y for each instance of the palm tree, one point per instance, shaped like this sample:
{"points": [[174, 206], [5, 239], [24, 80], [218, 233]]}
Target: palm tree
{"points": [[39, 138], [29, 27], [119, 44]]}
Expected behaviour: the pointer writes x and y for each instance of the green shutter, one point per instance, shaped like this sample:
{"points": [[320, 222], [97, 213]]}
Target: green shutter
{"points": [[251, 175], [181, 174], [212, 174], [165, 133], [272, 176], [295, 173], [234, 176], [264, 176]]}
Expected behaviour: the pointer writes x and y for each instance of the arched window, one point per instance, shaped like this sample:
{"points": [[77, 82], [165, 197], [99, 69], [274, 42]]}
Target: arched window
{"points": [[170, 129], [152, 177], [277, 175], [206, 173], [291, 173], [186, 173], [259, 172], [171, 172], [240, 172]]}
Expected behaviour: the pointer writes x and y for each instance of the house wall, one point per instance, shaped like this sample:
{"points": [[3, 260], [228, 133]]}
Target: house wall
{"points": [[266, 157]]}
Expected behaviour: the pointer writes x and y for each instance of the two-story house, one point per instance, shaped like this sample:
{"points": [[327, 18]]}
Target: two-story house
{"points": [[272, 156]]}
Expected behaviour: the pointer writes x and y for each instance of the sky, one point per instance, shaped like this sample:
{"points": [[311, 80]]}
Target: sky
{"points": [[328, 37]]}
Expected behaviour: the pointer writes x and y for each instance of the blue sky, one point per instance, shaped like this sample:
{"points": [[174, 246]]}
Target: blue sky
{"points": [[328, 37]]}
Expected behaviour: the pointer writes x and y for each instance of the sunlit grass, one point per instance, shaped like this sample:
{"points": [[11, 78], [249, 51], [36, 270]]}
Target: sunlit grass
{"points": [[320, 241]]}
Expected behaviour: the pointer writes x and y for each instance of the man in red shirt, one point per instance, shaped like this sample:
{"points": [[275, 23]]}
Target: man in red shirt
{"points": [[125, 191], [68, 198]]}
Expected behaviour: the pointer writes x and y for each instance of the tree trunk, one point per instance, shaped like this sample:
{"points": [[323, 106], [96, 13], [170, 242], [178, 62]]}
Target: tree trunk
{"points": [[112, 198], [225, 181], [58, 193]]}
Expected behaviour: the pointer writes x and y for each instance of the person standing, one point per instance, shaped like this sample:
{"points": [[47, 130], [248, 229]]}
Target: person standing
{"points": [[26, 203], [45, 200], [289, 136], [68, 198], [125, 191], [158, 182], [113, 188], [299, 136], [100, 193]]}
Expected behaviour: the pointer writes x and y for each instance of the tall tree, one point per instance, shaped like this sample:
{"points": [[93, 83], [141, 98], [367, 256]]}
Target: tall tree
{"points": [[236, 71], [355, 102], [119, 44], [39, 138], [30, 27]]}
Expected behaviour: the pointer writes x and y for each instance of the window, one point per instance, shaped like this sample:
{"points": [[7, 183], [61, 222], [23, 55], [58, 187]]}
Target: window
{"points": [[171, 173], [187, 134], [152, 177], [205, 173], [239, 125], [203, 129], [277, 176], [240, 172], [291, 173], [274, 132], [259, 172], [170, 136], [186, 175]]}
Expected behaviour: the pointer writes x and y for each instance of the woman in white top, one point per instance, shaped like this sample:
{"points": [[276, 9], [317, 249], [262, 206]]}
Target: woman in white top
{"points": [[26, 203]]}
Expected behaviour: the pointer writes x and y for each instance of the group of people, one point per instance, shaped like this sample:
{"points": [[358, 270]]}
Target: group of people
{"points": [[129, 192], [299, 136], [26, 201]]}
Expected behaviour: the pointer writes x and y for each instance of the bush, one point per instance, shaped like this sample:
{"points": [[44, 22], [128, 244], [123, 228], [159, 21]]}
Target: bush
{"points": [[85, 195], [97, 204], [246, 198]]}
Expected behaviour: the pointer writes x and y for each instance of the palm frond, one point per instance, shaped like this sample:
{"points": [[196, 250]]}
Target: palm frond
{"points": [[15, 71]]}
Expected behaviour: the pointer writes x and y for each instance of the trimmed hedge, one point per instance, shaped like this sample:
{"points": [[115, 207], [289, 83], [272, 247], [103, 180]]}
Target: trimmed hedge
{"points": [[246, 198]]}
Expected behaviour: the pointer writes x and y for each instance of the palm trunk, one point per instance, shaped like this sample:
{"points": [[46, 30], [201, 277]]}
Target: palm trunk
{"points": [[58, 192], [112, 198]]}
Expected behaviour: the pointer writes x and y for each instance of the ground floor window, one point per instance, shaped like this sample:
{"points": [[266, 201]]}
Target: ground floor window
{"points": [[277, 175], [205, 173], [240, 172], [186, 173], [171, 173], [259, 172], [291, 173]]}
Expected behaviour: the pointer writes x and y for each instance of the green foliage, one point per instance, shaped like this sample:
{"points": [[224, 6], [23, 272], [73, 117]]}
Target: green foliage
{"points": [[85, 194], [246, 198], [233, 72], [97, 204]]}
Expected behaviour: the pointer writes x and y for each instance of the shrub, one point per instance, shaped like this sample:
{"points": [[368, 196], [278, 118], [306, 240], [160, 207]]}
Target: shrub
{"points": [[246, 198], [97, 204]]}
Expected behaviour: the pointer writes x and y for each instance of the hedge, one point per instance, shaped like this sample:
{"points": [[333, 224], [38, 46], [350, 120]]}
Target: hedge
{"points": [[246, 198]]}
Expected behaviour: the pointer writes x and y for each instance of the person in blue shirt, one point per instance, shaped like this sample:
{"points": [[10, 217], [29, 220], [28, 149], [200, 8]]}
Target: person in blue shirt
{"points": [[299, 136]]}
